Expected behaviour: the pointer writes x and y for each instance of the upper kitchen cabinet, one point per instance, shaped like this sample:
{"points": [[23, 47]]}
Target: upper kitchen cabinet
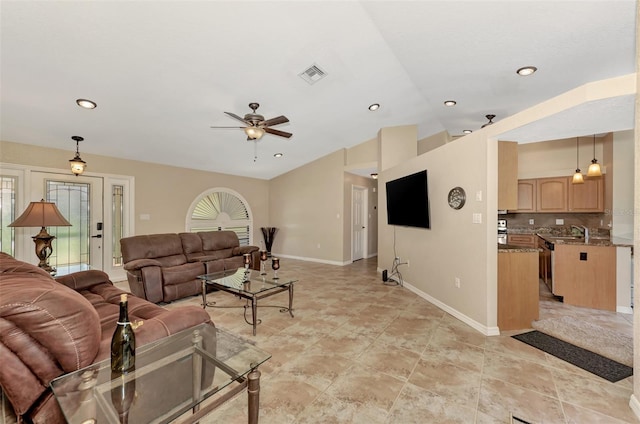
{"points": [[551, 194], [587, 197], [527, 195], [507, 175]]}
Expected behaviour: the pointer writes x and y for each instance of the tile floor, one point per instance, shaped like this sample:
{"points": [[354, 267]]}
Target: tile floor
{"points": [[359, 351]]}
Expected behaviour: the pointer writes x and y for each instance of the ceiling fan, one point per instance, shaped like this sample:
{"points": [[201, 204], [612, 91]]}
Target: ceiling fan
{"points": [[257, 126]]}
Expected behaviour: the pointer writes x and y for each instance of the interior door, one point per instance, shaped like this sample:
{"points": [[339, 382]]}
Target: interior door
{"points": [[79, 199], [358, 220]]}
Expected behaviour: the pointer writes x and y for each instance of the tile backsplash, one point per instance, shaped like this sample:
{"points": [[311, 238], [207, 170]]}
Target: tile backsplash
{"points": [[548, 220]]}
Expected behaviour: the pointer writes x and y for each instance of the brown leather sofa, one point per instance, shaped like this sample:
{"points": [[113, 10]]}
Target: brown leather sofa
{"points": [[50, 327], [165, 267]]}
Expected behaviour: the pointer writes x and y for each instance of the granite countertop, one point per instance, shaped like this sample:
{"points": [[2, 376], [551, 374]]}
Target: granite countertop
{"points": [[562, 235], [509, 248]]}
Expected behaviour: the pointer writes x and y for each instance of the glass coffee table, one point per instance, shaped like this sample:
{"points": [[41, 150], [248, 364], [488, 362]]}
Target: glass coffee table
{"points": [[172, 376], [251, 285]]}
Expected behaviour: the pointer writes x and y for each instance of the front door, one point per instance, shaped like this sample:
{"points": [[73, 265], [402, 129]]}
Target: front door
{"points": [[79, 199]]}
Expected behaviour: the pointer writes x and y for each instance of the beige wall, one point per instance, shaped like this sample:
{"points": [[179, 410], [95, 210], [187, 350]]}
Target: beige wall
{"points": [[363, 153], [307, 205], [432, 142], [396, 145], [635, 398], [163, 192], [623, 184]]}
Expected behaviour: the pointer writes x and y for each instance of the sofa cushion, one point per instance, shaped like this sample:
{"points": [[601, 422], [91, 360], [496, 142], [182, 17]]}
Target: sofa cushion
{"points": [[180, 274], [218, 240], [153, 246], [191, 246]]}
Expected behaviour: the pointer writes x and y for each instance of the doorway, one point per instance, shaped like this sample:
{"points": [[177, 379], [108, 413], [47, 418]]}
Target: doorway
{"points": [[359, 240], [79, 199]]}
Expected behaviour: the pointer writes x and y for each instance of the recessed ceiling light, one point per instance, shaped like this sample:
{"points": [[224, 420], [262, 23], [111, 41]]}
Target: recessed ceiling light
{"points": [[467, 131], [278, 155], [374, 106], [374, 176], [527, 70], [450, 103], [87, 104]]}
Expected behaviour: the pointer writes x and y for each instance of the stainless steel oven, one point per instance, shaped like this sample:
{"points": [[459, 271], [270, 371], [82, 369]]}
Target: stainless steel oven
{"points": [[502, 231]]}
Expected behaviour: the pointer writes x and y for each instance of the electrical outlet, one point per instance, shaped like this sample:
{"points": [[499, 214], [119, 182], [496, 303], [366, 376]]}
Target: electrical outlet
{"points": [[531, 221], [457, 282]]}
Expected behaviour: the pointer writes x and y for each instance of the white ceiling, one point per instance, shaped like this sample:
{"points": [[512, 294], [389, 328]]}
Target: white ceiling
{"points": [[163, 72]]}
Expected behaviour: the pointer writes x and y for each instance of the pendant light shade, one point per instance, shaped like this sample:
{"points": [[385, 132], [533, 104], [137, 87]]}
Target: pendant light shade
{"points": [[594, 169], [578, 178], [77, 164]]}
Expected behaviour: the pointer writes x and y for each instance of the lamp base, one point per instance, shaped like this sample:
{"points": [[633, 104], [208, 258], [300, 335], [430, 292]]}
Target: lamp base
{"points": [[43, 249]]}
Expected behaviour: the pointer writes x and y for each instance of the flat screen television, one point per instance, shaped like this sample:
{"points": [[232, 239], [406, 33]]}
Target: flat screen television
{"points": [[408, 201]]}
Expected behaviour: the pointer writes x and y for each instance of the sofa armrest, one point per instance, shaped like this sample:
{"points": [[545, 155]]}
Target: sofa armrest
{"points": [[137, 264], [84, 279], [241, 250]]}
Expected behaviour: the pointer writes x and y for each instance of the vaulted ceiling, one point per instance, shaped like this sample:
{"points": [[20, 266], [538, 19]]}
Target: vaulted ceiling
{"points": [[163, 73]]}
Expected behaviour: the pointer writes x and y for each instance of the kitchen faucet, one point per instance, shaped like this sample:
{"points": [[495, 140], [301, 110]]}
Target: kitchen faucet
{"points": [[584, 231]]}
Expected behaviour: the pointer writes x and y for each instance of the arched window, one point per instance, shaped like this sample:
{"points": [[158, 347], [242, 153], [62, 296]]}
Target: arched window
{"points": [[221, 209]]}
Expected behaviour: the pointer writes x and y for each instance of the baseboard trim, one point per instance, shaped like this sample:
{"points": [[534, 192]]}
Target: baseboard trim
{"points": [[487, 331], [320, 261], [624, 310], [634, 405]]}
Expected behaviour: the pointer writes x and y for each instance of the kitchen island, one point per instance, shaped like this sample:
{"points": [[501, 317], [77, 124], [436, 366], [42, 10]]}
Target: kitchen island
{"points": [[518, 287]]}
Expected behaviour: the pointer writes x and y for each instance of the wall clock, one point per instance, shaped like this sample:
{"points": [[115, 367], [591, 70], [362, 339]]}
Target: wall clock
{"points": [[457, 197]]}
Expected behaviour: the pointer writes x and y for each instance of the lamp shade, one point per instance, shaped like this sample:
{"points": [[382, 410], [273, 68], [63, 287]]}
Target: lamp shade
{"points": [[254, 133], [41, 214], [594, 169]]}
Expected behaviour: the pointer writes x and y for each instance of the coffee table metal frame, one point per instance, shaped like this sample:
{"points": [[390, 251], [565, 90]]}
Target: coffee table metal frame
{"points": [[250, 285], [83, 395]]}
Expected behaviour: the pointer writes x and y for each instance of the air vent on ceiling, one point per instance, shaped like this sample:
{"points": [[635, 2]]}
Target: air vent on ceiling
{"points": [[313, 74]]}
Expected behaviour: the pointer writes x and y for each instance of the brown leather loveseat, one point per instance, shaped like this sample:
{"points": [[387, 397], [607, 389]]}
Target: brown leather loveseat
{"points": [[50, 327], [165, 267]]}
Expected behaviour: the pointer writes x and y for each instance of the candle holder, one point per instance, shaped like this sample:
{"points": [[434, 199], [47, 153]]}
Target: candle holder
{"points": [[275, 265], [263, 259], [247, 263]]}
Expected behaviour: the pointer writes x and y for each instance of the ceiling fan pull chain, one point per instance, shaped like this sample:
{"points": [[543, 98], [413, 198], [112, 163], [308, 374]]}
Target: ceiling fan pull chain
{"points": [[255, 151]]}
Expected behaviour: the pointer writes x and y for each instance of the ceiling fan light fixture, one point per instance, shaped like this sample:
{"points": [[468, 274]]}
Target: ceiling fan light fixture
{"points": [[489, 117], [254, 133], [87, 104], [526, 70]]}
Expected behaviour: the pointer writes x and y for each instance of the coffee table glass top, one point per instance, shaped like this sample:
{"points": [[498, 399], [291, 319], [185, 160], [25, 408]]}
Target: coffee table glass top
{"points": [[247, 281], [164, 384]]}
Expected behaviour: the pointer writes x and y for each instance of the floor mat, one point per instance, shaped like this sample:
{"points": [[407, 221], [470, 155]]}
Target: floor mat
{"points": [[596, 364]]}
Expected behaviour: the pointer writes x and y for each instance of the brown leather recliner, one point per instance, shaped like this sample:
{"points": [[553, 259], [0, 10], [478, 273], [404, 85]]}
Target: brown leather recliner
{"points": [[49, 327], [165, 267]]}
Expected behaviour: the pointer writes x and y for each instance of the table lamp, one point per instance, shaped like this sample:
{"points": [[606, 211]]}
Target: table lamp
{"points": [[42, 214]]}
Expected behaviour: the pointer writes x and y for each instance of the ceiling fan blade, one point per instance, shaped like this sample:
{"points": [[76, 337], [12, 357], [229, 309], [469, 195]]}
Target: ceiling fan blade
{"points": [[234, 116], [228, 127], [277, 132], [275, 121]]}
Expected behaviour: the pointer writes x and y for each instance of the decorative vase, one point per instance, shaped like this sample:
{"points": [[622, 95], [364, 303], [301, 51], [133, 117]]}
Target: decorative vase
{"points": [[269, 233]]}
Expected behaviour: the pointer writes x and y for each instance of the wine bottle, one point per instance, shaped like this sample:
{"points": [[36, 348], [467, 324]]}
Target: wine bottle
{"points": [[123, 342]]}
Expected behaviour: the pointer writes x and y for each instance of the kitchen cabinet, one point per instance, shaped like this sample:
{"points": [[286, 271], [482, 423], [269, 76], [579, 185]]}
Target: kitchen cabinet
{"points": [[557, 194], [518, 291], [587, 197], [551, 194], [585, 275], [527, 195], [524, 240], [507, 175]]}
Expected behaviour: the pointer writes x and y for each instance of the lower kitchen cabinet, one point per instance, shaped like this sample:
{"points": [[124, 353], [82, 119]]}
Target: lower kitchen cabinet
{"points": [[518, 289], [585, 275], [524, 240]]}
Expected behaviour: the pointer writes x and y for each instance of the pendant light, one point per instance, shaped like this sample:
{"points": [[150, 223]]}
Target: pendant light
{"points": [[577, 177], [77, 164], [594, 169]]}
